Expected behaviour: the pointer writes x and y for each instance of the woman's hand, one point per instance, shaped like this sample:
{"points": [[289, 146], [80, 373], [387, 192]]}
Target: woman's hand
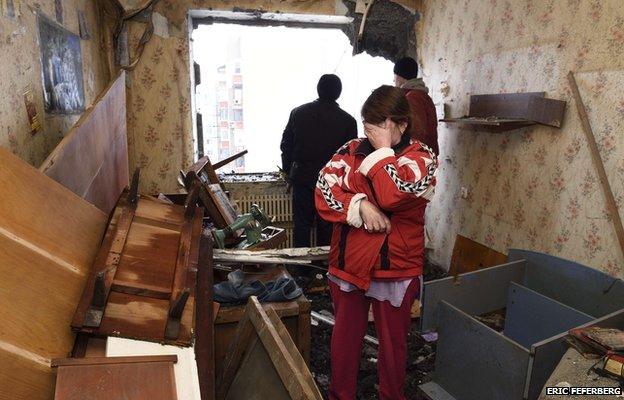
{"points": [[374, 220], [379, 135]]}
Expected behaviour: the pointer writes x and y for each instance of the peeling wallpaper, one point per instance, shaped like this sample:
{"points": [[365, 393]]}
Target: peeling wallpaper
{"points": [[21, 66], [534, 188]]}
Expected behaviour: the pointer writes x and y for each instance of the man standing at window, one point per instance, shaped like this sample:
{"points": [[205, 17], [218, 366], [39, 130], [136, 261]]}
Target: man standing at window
{"points": [[313, 134], [424, 118]]}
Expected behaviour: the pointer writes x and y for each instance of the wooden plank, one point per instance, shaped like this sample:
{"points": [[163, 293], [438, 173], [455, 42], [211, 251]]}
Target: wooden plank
{"points": [[301, 253], [271, 358], [228, 160], [89, 287], [48, 218], [298, 358], [612, 206], [501, 105], [38, 298], [469, 255], [143, 380], [279, 347], [180, 288], [92, 159], [106, 268], [65, 362], [204, 318], [24, 379], [48, 240]]}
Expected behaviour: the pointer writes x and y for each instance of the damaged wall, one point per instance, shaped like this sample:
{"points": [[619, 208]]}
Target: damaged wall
{"points": [[160, 130], [534, 188], [21, 66]]}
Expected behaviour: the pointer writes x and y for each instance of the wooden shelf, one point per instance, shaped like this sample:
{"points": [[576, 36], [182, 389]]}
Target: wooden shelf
{"points": [[509, 111], [491, 124]]}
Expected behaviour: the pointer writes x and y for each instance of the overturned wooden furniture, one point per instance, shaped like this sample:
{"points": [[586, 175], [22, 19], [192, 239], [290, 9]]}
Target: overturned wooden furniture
{"points": [[142, 284], [295, 316], [507, 111], [106, 378], [201, 178], [92, 159], [48, 240], [263, 362], [544, 297]]}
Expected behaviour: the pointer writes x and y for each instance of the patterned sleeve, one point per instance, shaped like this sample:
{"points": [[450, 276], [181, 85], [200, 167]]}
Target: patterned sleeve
{"points": [[334, 198], [398, 181]]}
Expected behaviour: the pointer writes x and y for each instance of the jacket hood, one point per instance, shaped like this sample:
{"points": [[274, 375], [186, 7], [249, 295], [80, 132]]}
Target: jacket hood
{"points": [[415, 84]]}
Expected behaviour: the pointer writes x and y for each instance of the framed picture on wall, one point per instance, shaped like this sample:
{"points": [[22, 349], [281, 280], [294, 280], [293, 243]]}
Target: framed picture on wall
{"points": [[61, 68]]}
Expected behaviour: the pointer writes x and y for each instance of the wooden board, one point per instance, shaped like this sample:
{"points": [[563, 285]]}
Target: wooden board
{"points": [[48, 217], [101, 378], [205, 310], [92, 159], [502, 105], [157, 249], [263, 362], [21, 378], [469, 255], [48, 240]]}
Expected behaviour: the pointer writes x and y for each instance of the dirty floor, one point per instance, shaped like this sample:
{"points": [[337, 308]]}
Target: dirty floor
{"points": [[421, 355]]}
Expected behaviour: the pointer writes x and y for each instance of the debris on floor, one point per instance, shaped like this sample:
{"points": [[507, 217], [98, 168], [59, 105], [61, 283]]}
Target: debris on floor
{"points": [[421, 354], [494, 319]]}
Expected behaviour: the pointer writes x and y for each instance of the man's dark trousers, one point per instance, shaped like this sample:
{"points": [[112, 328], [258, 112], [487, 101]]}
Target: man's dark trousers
{"points": [[304, 215]]}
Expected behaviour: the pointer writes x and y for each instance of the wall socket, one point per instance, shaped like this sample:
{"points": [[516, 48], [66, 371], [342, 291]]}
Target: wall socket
{"points": [[463, 192]]}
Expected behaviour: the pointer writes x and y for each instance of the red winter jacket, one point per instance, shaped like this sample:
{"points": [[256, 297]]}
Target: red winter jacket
{"points": [[400, 181]]}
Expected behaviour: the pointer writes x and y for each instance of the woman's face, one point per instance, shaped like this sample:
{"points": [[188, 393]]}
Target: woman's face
{"points": [[394, 129]]}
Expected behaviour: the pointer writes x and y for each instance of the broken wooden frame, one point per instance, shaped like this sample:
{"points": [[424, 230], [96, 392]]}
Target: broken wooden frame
{"points": [[545, 296], [142, 282], [263, 362], [104, 378]]}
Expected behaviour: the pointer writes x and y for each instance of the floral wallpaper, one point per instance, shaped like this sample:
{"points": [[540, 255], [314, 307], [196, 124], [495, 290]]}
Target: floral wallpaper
{"points": [[21, 67], [534, 188]]}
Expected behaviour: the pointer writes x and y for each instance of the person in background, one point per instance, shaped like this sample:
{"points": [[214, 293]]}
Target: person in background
{"points": [[314, 132], [424, 117], [375, 191]]}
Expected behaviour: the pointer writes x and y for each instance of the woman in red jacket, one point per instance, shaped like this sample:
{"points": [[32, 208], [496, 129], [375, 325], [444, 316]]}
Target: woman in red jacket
{"points": [[375, 191]]}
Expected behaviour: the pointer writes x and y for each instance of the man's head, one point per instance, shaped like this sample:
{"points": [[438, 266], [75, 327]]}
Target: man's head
{"points": [[405, 68], [329, 87]]}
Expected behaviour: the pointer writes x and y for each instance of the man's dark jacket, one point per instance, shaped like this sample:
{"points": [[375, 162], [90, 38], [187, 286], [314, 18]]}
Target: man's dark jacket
{"points": [[313, 134]]}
